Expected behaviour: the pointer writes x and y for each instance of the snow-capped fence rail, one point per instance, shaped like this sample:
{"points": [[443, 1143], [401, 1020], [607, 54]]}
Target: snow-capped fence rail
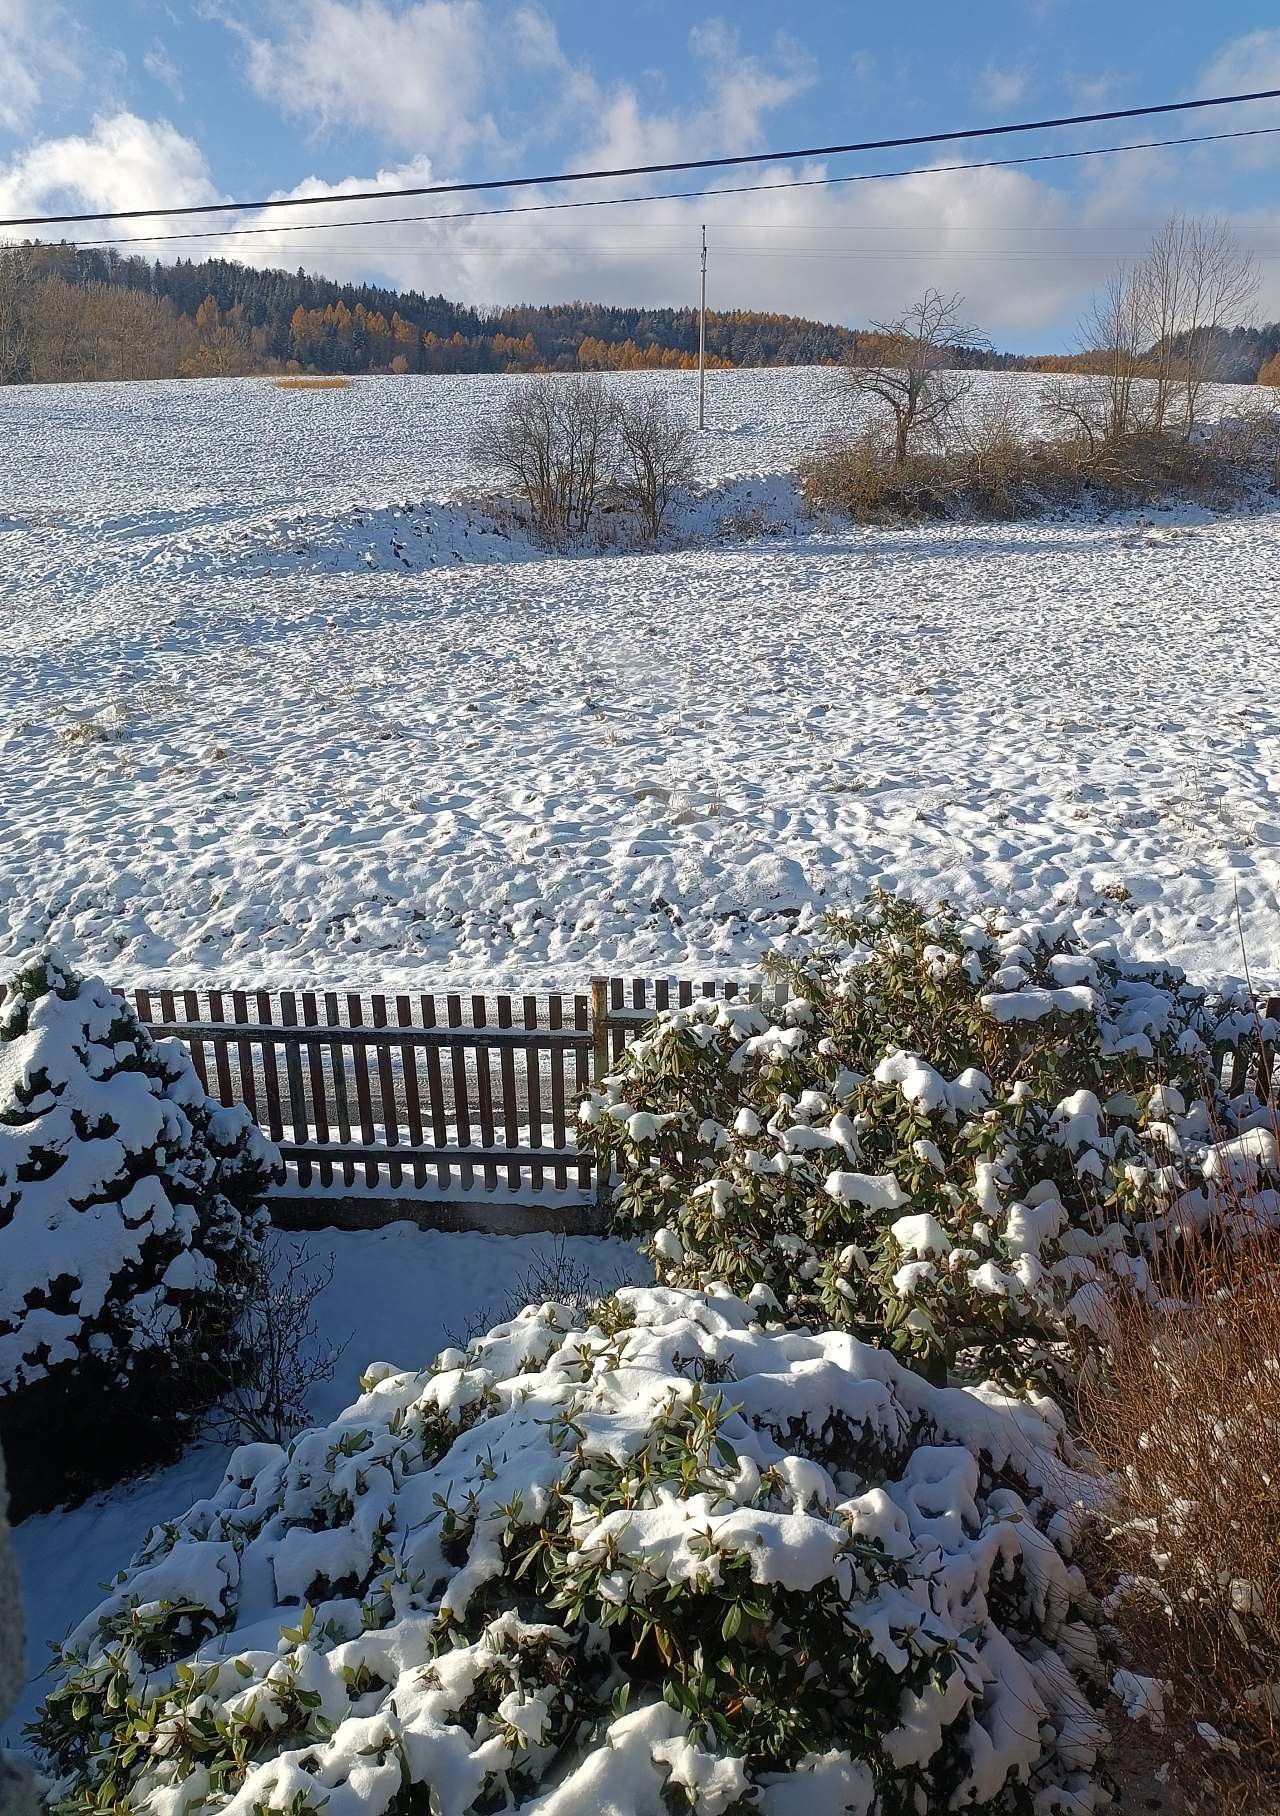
{"points": [[418, 1094]]}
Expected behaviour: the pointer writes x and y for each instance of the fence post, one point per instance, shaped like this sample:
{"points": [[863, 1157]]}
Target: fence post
{"points": [[599, 1066], [1270, 1012]]}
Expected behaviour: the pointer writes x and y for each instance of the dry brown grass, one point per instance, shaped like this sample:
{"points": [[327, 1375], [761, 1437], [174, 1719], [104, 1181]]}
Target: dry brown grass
{"points": [[334, 382], [995, 473], [1185, 1414]]}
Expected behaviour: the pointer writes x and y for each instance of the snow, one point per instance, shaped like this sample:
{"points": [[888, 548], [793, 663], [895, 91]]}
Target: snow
{"points": [[397, 1291], [272, 749]]}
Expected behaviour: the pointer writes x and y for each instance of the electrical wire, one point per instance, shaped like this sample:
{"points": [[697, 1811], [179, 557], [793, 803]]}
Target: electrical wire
{"points": [[644, 170], [683, 195]]}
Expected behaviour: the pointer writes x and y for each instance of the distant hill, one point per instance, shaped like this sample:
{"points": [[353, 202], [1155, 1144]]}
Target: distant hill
{"points": [[71, 313]]}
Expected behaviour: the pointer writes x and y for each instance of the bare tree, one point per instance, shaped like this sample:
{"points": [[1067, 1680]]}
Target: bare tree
{"points": [[1153, 336], [656, 454], [911, 367], [555, 441], [1220, 290], [1101, 405]]}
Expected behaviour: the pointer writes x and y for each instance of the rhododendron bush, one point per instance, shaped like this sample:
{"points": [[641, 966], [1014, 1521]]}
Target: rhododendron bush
{"points": [[952, 1138], [641, 1558]]}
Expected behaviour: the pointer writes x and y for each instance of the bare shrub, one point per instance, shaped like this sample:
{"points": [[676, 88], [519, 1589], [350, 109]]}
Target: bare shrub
{"points": [[285, 1353], [554, 441], [1185, 1415], [991, 473], [909, 365], [556, 1277], [1251, 433], [656, 458]]}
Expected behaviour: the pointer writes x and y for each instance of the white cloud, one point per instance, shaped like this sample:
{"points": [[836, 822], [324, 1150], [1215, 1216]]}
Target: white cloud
{"points": [[352, 254], [415, 78], [122, 162], [161, 67], [999, 88], [36, 54], [1242, 66]]}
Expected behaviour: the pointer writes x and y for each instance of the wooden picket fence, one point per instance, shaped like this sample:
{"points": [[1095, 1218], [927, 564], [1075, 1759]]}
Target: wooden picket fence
{"points": [[446, 1092]]}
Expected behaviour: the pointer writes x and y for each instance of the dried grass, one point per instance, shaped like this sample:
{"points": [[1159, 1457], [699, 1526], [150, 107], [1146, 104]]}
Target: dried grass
{"points": [[334, 382], [993, 472], [1185, 1414]]}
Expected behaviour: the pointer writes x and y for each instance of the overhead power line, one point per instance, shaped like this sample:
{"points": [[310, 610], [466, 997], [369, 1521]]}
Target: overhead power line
{"points": [[688, 195], [646, 170]]}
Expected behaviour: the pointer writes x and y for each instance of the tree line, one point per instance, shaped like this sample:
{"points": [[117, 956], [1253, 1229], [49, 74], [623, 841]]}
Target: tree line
{"points": [[72, 313]]}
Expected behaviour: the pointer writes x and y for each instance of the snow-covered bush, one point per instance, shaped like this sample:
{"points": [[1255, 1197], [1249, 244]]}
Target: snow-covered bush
{"points": [[130, 1218], [639, 1559], [951, 1138]]}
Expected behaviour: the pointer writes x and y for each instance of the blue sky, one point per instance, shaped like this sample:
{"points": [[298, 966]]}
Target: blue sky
{"points": [[133, 102]]}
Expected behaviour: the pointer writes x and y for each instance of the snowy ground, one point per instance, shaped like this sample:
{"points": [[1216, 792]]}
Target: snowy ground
{"points": [[400, 1294], [260, 723]]}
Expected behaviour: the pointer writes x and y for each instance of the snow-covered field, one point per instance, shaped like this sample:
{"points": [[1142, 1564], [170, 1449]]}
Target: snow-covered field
{"points": [[398, 1294], [260, 723]]}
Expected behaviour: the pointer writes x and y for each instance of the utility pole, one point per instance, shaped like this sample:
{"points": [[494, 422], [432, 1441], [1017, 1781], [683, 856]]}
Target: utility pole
{"points": [[702, 340]]}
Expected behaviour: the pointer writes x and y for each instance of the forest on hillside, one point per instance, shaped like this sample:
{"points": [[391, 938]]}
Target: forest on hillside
{"points": [[70, 313]]}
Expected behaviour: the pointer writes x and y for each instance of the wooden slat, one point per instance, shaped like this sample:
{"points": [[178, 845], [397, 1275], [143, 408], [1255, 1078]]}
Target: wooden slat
{"points": [[270, 1072], [297, 1096], [461, 1091], [684, 993], [510, 1104], [662, 994], [582, 1075], [435, 1090], [412, 1099], [536, 1177], [617, 1034], [244, 1056], [191, 1009], [142, 1006], [364, 1096], [221, 1052], [556, 1063], [387, 1094], [484, 1094], [319, 1088], [341, 1092]]}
